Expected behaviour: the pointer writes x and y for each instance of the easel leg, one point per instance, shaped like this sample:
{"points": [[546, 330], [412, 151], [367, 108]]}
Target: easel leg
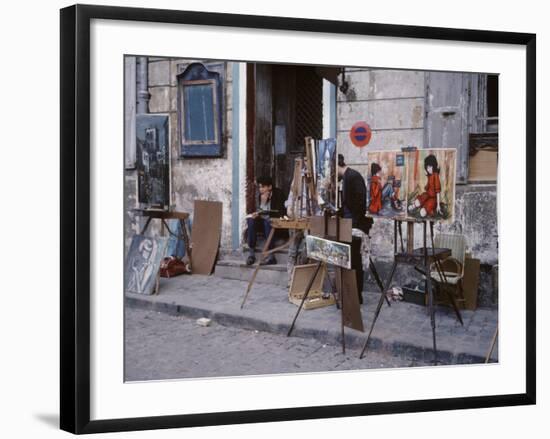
{"points": [[432, 315], [157, 284], [341, 288], [487, 358], [378, 307], [146, 225], [442, 276], [260, 259], [401, 236], [306, 293], [187, 242], [374, 272], [430, 293]]}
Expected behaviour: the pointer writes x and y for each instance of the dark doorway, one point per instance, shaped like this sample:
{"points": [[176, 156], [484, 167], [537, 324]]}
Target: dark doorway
{"points": [[287, 106]]}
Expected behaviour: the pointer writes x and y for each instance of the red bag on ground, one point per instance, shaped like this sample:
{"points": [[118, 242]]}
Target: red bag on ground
{"points": [[172, 266]]}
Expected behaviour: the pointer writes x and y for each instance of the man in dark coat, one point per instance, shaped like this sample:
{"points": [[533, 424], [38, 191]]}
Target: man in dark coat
{"points": [[354, 206], [271, 204]]}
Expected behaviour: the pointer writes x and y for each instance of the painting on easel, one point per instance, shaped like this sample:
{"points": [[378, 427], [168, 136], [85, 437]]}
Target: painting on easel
{"points": [[431, 184], [330, 252], [418, 184], [387, 174], [326, 172], [152, 160]]}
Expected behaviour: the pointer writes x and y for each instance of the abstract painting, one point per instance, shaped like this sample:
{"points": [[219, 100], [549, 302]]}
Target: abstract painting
{"points": [[143, 263]]}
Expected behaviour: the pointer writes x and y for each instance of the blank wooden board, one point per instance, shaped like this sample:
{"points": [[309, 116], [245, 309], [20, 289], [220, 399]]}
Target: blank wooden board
{"points": [[352, 311], [483, 166], [470, 283], [317, 227], [205, 235], [301, 276]]}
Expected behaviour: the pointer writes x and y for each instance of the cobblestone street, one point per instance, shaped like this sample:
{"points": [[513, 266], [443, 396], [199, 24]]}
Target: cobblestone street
{"points": [[402, 330], [162, 346]]}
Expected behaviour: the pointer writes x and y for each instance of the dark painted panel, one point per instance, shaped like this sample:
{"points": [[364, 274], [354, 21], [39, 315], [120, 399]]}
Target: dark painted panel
{"points": [[263, 147], [153, 159]]}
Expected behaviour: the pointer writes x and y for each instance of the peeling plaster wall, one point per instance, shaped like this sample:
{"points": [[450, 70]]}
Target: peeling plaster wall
{"points": [[131, 222], [475, 217], [392, 103], [191, 178]]}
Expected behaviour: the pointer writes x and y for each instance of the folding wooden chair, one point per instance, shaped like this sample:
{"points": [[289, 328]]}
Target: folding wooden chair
{"points": [[450, 272]]}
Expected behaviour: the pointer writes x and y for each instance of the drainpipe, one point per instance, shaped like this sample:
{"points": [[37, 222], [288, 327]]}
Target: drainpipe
{"points": [[142, 85], [142, 100]]}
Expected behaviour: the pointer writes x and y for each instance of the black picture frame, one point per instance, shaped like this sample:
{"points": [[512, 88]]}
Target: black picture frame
{"points": [[75, 217]]}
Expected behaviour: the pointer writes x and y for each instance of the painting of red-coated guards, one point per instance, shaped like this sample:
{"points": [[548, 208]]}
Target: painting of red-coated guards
{"points": [[431, 184], [386, 197]]}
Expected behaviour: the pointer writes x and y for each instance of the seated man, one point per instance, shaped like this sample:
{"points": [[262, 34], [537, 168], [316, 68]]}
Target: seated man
{"points": [[270, 205]]}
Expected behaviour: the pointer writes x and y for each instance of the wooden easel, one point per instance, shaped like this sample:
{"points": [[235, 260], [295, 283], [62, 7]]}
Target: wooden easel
{"points": [[164, 215], [339, 279], [299, 181], [312, 279], [276, 224], [421, 259], [309, 176]]}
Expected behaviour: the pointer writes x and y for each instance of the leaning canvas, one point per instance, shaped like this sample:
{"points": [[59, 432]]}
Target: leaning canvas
{"points": [[143, 263]]}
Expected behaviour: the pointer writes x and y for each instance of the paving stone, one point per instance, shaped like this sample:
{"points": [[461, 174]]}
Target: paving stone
{"points": [[403, 330]]}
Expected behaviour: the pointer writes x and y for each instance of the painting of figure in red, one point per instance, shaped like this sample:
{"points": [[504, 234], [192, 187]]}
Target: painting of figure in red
{"points": [[384, 183], [431, 183]]}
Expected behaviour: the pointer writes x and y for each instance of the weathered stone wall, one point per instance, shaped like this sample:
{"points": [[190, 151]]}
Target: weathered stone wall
{"points": [[475, 217], [390, 101], [191, 178], [131, 221]]}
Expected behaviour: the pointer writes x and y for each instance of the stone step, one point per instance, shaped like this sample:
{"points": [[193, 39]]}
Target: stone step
{"points": [[281, 255], [238, 270]]}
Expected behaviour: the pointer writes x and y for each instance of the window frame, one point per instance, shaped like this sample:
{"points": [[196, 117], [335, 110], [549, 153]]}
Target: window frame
{"points": [[216, 111], [197, 73]]}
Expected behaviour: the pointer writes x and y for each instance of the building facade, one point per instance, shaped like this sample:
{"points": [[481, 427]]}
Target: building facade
{"points": [[260, 114]]}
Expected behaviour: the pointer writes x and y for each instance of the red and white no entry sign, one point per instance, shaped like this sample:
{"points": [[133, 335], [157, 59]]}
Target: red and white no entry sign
{"points": [[360, 134]]}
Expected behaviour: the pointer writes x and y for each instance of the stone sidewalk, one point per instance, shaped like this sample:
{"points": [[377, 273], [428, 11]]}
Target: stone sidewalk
{"points": [[401, 330]]}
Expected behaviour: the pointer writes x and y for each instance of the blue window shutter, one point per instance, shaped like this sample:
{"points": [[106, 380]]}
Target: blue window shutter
{"points": [[200, 109]]}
